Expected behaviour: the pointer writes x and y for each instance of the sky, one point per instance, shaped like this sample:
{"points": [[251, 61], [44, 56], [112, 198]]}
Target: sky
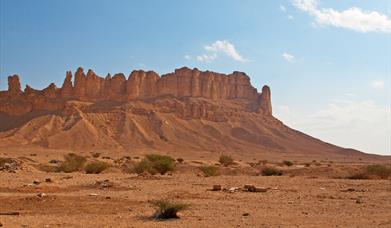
{"points": [[328, 62]]}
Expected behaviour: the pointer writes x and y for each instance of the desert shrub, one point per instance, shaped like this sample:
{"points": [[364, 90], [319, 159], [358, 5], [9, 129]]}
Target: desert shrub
{"points": [[95, 155], [307, 164], [209, 171], [96, 167], [287, 163], [269, 171], [155, 163], [372, 172], [226, 160], [72, 163], [144, 166], [180, 160], [3, 161], [358, 176], [166, 209], [381, 171]]}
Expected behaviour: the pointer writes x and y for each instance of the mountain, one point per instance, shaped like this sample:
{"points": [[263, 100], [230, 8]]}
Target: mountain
{"points": [[188, 111]]}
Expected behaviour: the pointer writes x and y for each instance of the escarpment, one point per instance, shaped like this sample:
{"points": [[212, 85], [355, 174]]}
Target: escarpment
{"points": [[181, 84]]}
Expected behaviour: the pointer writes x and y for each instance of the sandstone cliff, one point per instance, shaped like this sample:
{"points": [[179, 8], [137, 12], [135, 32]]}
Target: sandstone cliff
{"points": [[182, 83]]}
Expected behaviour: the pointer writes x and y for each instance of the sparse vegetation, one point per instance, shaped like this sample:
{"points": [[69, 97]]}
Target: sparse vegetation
{"points": [[372, 172], [226, 160], [381, 171], [287, 163], [155, 163], [5, 160], [96, 167], [307, 164], [269, 171], [95, 155], [209, 171], [72, 163], [166, 209], [179, 160]]}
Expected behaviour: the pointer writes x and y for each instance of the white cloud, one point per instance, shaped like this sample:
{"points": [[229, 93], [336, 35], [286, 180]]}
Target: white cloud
{"points": [[290, 17], [188, 57], [227, 48], [378, 84], [282, 8], [206, 58], [353, 18], [362, 125], [288, 57]]}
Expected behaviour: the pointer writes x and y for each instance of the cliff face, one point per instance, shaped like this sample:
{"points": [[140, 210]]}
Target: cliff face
{"points": [[183, 82]]}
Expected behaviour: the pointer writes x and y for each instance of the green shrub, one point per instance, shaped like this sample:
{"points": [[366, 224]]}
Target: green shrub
{"points": [[287, 163], [96, 167], [166, 209], [226, 160], [269, 171], [72, 163], [144, 166], [209, 171], [155, 163]]}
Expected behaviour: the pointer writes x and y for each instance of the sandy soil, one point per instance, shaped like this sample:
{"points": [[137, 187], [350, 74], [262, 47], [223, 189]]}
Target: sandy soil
{"points": [[302, 197]]}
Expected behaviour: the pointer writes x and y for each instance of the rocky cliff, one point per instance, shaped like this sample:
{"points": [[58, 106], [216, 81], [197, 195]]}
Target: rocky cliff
{"points": [[182, 83]]}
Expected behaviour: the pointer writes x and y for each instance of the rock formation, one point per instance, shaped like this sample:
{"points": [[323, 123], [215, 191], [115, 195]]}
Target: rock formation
{"points": [[182, 83]]}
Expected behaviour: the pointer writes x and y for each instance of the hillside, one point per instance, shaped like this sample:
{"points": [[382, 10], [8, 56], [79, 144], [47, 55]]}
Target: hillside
{"points": [[187, 111]]}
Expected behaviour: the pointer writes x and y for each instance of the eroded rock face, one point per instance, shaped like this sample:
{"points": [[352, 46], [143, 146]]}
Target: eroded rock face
{"points": [[14, 88], [265, 101], [182, 83]]}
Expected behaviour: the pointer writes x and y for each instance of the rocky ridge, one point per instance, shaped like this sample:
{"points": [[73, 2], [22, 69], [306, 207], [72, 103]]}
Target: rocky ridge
{"points": [[182, 83]]}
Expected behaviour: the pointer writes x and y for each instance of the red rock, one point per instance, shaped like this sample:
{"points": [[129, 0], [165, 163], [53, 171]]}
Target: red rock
{"points": [[67, 87], [265, 103], [183, 83], [14, 88], [80, 84]]}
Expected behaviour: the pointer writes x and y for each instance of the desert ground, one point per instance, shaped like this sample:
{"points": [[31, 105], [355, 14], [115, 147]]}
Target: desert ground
{"points": [[309, 193]]}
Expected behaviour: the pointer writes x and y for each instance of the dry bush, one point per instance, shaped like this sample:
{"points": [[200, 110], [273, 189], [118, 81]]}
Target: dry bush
{"points": [[372, 172], [96, 167], [95, 155], [3, 161], [155, 163], [72, 163], [269, 171], [166, 209], [288, 163], [226, 160], [209, 171], [179, 160]]}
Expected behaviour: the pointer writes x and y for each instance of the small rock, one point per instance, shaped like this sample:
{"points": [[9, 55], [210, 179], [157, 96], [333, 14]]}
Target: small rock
{"points": [[216, 187], [36, 182], [245, 214], [48, 180], [247, 187], [40, 195], [54, 161], [108, 197], [233, 189], [260, 189]]}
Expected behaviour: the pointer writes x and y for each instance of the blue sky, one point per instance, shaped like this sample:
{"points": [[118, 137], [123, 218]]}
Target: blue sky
{"points": [[328, 62]]}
